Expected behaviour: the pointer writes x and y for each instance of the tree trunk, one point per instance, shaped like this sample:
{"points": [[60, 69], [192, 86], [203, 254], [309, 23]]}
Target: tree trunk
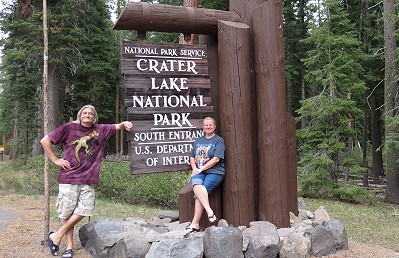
{"points": [[364, 149], [391, 91], [375, 121], [56, 96], [15, 135]]}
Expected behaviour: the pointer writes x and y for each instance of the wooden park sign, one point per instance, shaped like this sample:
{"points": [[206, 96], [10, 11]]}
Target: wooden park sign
{"points": [[247, 77], [167, 95]]}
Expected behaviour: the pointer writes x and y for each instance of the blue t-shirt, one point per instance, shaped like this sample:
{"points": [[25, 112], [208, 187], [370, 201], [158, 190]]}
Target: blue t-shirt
{"points": [[205, 149]]}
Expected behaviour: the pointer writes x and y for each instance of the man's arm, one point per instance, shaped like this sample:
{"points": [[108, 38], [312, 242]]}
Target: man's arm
{"points": [[48, 149], [124, 125]]}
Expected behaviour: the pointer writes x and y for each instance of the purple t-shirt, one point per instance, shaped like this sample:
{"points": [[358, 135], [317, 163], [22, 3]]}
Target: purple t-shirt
{"points": [[83, 148]]}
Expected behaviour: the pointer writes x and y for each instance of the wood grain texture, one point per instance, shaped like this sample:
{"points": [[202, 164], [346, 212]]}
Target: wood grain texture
{"points": [[168, 18], [236, 107], [271, 109]]}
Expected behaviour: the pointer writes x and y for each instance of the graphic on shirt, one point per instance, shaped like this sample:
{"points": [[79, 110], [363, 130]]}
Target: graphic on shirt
{"points": [[201, 156], [83, 143]]}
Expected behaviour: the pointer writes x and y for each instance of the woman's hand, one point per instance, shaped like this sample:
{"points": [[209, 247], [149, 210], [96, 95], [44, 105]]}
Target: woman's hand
{"points": [[196, 171]]}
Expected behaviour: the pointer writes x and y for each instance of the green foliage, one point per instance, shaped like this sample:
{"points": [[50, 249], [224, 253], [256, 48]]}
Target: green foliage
{"points": [[27, 178], [158, 189], [215, 4], [318, 185], [82, 57], [116, 183], [84, 49], [392, 138], [335, 73]]}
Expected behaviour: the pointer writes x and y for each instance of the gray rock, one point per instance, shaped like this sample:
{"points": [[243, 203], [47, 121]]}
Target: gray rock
{"points": [[106, 237], [223, 242], [223, 223], [321, 214], [295, 246], [181, 248], [159, 237], [301, 204], [339, 234], [263, 240], [172, 215], [327, 238]]}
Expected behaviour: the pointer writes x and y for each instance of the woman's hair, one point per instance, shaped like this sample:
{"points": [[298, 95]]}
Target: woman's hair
{"points": [[81, 110], [210, 119]]}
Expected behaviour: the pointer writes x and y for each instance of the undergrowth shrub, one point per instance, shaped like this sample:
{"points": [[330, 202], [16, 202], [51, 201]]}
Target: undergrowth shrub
{"points": [[317, 185], [116, 183], [156, 189], [28, 178]]}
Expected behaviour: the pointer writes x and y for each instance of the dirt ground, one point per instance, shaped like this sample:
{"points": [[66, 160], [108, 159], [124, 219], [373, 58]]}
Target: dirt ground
{"points": [[22, 232]]}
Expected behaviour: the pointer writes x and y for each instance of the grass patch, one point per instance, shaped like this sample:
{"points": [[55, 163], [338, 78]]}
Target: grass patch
{"points": [[375, 224], [122, 210], [112, 209]]}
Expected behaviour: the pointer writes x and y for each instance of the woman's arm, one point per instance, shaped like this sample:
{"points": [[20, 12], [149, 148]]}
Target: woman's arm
{"points": [[212, 162]]}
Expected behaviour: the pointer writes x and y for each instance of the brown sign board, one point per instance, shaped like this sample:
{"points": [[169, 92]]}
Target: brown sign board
{"points": [[167, 96]]}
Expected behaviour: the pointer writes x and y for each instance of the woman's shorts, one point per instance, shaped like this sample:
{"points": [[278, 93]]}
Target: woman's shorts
{"points": [[75, 200], [210, 181]]}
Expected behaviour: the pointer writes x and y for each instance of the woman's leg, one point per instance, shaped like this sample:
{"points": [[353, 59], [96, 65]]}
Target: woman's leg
{"points": [[198, 209], [202, 197]]}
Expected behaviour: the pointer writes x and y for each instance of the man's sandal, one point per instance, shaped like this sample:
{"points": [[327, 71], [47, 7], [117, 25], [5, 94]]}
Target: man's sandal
{"points": [[68, 253], [53, 247]]}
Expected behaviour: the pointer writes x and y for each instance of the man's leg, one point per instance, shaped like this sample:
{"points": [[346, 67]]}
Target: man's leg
{"points": [[66, 229]]}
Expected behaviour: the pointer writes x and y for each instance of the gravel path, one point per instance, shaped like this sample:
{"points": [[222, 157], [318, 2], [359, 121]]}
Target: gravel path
{"points": [[5, 218]]}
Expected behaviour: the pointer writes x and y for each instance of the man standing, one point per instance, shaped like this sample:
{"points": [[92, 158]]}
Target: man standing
{"points": [[83, 143]]}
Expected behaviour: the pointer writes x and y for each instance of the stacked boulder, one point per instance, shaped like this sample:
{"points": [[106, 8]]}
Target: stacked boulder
{"points": [[310, 234]]}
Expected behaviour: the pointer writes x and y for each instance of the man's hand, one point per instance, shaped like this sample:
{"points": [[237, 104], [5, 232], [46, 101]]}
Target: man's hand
{"points": [[62, 163], [127, 125]]}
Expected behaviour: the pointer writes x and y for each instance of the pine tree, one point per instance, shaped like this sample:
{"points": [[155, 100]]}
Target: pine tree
{"points": [[334, 73], [82, 62]]}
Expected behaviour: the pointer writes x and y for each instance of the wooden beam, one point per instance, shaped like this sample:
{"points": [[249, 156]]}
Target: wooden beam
{"points": [[168, 18]]}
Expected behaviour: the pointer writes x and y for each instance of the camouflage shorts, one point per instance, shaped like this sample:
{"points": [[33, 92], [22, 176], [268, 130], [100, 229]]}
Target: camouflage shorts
{"points": [[75, 200]]}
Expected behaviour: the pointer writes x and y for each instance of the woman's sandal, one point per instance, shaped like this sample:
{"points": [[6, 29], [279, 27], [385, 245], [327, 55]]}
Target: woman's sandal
{"points": [[192, 229], [212, 218]]}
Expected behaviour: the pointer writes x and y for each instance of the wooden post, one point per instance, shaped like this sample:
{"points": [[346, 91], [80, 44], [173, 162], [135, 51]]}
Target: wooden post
{"points": [[245, 9], [271, 104], [186, 205], [236, 108], [46, 125]]}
